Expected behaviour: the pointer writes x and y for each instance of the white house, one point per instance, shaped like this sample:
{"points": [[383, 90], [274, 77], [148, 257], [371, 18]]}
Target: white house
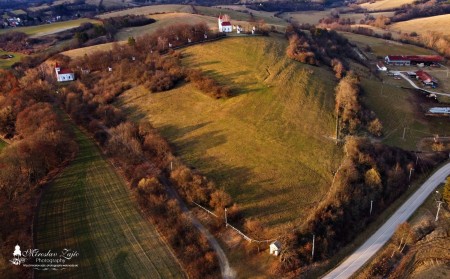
{"points": [[275, 248], [64, 74], [224, 24]]}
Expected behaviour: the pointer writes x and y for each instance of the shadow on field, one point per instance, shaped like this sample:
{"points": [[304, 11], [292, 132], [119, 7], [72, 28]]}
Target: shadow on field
{"points": [[119, 268]]}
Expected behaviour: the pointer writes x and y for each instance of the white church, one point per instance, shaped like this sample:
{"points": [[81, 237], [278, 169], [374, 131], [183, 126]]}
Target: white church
{"points": [[224, 24], [63, 74]]}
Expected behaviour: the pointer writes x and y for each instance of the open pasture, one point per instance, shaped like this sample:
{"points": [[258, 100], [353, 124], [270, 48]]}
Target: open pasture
{"points": [[51, 28], [87, 208], [385, 4], [439, 23], [270, 145]]}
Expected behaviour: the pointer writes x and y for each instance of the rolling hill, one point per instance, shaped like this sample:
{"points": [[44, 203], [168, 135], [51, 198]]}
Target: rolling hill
{"points": [[423, 25], [270, 145], [385, 4]]}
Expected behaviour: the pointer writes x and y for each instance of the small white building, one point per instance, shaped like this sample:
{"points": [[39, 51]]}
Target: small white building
{"points": [[275, 248], [224, 24], [63, 75], [381, 67]]}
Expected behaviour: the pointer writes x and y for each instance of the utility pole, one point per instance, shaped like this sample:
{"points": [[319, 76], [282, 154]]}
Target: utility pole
{"points": [[226, 222], [410, 173], [312, 252], [171, 165], [439, 208], [404, 132], [371, 206]]}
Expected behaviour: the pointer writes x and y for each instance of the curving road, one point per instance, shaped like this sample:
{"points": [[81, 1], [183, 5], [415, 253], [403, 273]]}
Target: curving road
{"points": [[383, 234]]}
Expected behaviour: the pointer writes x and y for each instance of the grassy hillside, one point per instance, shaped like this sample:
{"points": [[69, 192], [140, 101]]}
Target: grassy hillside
{"points": [[381, 47], [385, 4], [164, 20], [46, 29], [423, 25], [88, 209], [146, 10], [269, 146]]}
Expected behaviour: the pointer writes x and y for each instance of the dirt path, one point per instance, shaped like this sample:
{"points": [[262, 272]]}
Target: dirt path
{"points": [[225, 269]]}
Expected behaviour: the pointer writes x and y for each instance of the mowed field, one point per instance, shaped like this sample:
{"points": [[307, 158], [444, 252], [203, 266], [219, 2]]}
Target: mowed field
{"points": [[385, 4], [439, 23], [87, 208], [46, 29], [381, 47], [268, 146], [6, 63]]}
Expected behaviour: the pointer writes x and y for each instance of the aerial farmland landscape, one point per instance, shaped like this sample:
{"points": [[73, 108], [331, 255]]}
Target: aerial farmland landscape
{"points": [[225, 139]]}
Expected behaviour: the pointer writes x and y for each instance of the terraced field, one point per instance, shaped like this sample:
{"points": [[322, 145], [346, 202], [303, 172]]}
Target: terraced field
{"points": [[269, 146], [88, 209]]}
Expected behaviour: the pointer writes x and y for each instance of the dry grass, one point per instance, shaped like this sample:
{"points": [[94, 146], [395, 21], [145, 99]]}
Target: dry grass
{"points": [[310, 17], [147, 10], [78, 52], [439, 23], [385, 4], [268, 146], [164, 20]]}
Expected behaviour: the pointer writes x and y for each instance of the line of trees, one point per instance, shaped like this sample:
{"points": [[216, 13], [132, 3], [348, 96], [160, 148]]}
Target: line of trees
{"points": [[39, 145], [352, 115]]}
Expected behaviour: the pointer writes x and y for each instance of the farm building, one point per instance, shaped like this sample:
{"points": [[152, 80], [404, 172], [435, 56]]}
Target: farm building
{"points": [[440, 111], [426, 78], [224, 24], [407, 60], [64, 74], [381, 66], [275, 248]]}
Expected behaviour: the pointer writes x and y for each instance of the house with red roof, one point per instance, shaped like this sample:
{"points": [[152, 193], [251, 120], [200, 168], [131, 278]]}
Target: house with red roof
{"points": [[63, 74], [426, 78]]}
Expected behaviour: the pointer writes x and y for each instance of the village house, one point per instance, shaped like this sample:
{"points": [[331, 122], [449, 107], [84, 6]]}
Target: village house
{"points": [[275, 248], [63, 74], [426, 78], [224, 24]]}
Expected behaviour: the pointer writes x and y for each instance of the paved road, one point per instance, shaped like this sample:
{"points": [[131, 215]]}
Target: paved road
{"points": [[417, 87], [383, 234]]}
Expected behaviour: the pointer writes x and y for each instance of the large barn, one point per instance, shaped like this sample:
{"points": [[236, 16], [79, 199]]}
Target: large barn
{"points": [[407, 60]]}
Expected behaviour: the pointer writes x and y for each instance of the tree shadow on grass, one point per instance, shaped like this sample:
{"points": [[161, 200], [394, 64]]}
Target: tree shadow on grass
{"points": [[118, 266]]}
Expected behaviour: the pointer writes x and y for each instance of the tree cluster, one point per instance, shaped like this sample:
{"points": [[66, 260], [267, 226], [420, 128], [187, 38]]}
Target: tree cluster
{"points": [[351, 114], [15, 42], [39, 144], [207, 84]]}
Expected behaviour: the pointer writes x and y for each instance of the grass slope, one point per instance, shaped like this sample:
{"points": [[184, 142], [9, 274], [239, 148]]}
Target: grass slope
{"points": [[153, 9], [46, 29], [268, 146], [424, 25], [385, 4], [88, 209]]}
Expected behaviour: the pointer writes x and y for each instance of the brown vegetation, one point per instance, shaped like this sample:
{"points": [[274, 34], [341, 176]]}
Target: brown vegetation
{"points": [[40, 144]]}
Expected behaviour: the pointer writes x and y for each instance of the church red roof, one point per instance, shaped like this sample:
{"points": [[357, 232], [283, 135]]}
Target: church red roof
{"points": [[226, 23], [65, 71]]}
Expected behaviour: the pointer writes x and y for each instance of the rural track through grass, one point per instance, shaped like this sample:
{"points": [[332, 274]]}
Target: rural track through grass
{"points": [[88, 209]]}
